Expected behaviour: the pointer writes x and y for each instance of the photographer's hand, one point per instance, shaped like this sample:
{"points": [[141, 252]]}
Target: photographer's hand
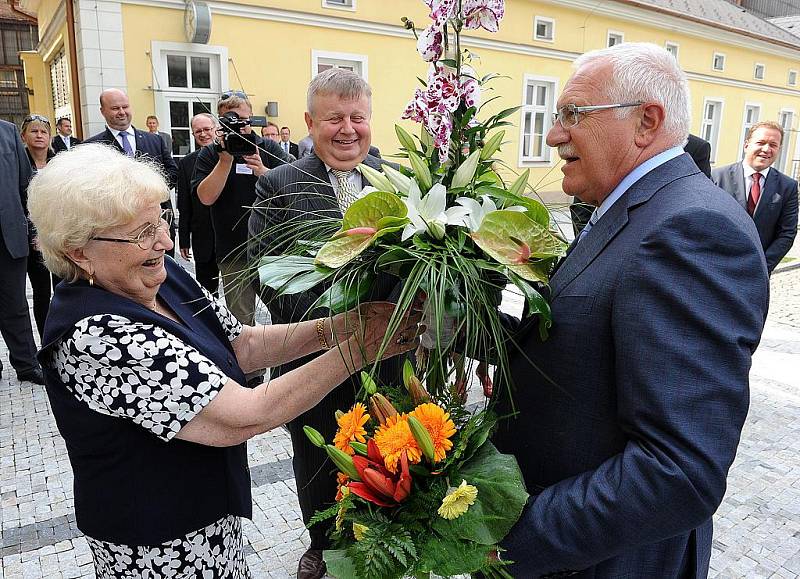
{"points": [[254, 162]]}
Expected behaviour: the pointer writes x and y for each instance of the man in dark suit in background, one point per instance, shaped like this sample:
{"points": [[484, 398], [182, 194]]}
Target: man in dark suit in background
{"points": [[323, 183], [116, 110], [64, 141], [15, 319], [769, 196], [698, 149], [195, 229], [630, 413], [287, 145], [152, 126]]}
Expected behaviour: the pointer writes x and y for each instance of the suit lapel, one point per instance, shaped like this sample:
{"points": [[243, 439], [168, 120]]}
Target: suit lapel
{"points": [[581, 255], [111, 139], [768, 191], [737, 174]]}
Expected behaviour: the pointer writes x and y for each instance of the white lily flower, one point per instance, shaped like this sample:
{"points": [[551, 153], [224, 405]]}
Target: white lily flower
{"points": [[429, 214], [477, 212]]}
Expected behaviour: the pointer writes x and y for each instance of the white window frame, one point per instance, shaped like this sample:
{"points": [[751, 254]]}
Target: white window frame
{"points": [[336, 6], [745, 125], [792, 73], [715, 130], [763, 68], [547, 156], [163, 93], [668, 44], [783, 155], [714, 61], [611, 33], [344, 57], [546, 20]]}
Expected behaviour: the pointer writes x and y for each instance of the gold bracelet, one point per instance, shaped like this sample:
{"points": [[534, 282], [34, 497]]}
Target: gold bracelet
{"points": [[321, 334]]}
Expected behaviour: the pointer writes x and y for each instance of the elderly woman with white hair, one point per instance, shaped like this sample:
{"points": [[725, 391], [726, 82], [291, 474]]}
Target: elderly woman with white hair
{"points": [[145, 373]]}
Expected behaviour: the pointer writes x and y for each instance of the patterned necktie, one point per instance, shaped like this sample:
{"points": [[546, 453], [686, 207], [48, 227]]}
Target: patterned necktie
{"points": [[126, 145], [347, 192], [585, 231], [755, 193]]}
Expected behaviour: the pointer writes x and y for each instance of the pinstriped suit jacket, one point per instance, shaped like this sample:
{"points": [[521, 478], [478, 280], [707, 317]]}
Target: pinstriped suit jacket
{"points": [[299, 191]]}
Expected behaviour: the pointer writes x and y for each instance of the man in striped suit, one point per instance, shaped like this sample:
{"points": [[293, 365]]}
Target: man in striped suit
{"points": [[321, 184]]}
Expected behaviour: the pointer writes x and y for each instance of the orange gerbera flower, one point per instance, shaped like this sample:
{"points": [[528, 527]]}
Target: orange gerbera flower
{"points": [[438, 424], [351, 427], [393, 438]]}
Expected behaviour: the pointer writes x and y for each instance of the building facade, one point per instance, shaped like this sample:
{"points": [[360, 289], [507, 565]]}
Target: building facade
{"points": [[175, 57], [17, 33]]}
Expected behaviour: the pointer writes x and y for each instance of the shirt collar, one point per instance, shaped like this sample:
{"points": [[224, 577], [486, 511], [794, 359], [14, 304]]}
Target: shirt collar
{"points": [[116, 133], [748, 171], [632, 177]]}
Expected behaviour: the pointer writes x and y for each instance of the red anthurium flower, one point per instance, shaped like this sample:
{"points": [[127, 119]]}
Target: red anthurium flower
{"points": [[378, 485]]}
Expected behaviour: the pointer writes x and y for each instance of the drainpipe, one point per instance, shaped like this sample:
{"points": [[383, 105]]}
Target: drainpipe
{"points": [[73, 70]]}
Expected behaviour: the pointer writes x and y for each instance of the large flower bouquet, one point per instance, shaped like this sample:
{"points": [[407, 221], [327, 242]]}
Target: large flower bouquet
{"points": [[422, 489]]}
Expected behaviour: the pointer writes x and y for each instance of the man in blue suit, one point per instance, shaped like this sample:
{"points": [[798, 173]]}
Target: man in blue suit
{"points": [[119, 133], [769, 196], [629, 415]]}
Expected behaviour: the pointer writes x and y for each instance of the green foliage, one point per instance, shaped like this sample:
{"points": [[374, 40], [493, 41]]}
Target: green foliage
{"points": [[501, 497]]}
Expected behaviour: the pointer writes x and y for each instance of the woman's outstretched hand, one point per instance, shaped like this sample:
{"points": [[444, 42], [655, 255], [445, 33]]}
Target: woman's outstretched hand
{"points": [[363, 330]]}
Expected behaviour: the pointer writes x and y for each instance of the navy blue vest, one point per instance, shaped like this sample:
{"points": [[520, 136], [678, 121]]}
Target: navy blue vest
{"points": [[130, 486]]}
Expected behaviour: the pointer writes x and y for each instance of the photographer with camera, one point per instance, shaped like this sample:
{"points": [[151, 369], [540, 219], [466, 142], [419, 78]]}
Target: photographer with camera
{"points": [[225, 178]]}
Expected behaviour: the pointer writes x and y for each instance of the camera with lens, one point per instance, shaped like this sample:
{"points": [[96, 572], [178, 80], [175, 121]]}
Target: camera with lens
{"points": [[237, 142]]}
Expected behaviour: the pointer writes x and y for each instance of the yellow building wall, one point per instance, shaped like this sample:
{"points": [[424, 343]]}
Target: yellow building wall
{"points": [[273, 61], [35, 80]]}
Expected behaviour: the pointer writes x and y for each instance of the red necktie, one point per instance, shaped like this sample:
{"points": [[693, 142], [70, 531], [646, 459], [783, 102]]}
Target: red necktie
{"points": [[755, 193]]}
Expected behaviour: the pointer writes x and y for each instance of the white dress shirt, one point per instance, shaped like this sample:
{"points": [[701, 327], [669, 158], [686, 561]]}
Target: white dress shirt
{"points": [[748, 180], [131, 137]]}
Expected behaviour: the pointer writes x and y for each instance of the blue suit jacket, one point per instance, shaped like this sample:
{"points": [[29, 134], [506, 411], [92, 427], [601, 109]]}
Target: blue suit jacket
{"points": [[15, 174], [776, 212], [148, 145], [631, 411]]}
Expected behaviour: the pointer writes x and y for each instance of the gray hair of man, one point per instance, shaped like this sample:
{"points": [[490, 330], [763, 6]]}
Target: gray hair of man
{"points": [[341, 82], [646, 72], [209, 116]]}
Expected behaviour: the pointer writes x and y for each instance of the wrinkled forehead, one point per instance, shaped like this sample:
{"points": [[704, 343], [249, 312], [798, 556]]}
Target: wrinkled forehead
{"points": [[766, 135], [335, 104], [588, 84]]}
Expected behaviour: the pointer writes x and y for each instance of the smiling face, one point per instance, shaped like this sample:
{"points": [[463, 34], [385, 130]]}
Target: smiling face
{"points": [[285, 134], [340, 130], [600, 150], [124, 268], [761, 149], [203, 130], [116, 109], [152, 125]]}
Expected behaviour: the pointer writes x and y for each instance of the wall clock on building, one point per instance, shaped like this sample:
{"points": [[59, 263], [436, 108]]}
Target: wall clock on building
{"points": [[197, 22]]}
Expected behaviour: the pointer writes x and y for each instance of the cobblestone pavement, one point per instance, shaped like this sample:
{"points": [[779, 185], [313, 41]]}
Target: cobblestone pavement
{"points": [[757, 527]]}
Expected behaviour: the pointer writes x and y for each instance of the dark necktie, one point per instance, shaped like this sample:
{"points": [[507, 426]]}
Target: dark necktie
{"points": [[126, 144], [755, 193]]}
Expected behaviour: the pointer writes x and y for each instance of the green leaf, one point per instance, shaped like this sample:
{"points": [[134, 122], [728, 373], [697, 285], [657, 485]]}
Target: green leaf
{"points": [[421, 171], [405, 139], [370, 209], [400, 181], [518, 187], [339, 564], [500, 235], [491, 146], [506, 113], [347, 293], [501, 497], [446, 556], [535, 301], [535, 208], [426, 139], [376, 178], [466, 171], [291, 274], [381, 211]]}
